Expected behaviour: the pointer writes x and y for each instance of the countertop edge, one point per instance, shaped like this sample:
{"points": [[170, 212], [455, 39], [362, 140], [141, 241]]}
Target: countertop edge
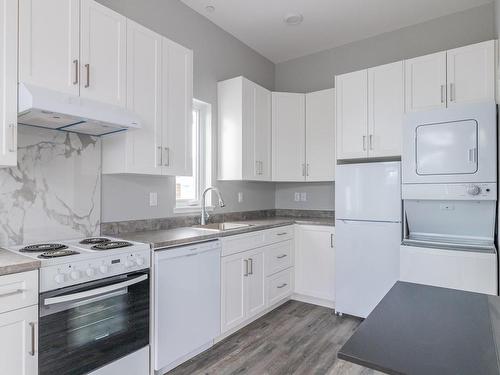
{"points": [[16, 263]]}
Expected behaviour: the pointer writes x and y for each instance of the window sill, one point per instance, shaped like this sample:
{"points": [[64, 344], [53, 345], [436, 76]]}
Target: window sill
{"points": [[190, 209]]}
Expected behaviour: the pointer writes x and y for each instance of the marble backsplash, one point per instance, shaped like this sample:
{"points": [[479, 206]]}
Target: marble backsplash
{"points": [[55, 191]]}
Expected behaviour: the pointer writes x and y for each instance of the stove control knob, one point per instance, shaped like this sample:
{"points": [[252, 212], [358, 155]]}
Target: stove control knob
{"points": [[473, 190], [60, 278], [103, 268], [129, 263], [75, 275], [139, 261], [90, 272]]}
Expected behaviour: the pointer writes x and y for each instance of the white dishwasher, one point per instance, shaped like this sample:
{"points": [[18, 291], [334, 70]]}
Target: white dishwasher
{"points": [[186, 302]]}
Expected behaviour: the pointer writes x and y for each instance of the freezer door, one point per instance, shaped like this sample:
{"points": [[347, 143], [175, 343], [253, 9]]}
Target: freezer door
{"points": [[366, 264], [369, 191]]}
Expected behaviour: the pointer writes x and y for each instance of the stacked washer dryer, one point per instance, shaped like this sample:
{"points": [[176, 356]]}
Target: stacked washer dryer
{"points": [[449, 191]]}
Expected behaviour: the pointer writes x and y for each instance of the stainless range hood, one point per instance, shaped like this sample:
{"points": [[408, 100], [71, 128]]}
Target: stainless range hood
{"points": [[51, 109]]}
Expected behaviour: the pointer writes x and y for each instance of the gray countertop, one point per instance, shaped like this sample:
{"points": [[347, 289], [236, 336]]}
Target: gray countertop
{"points": [[13, 263], [180, 236], [419, 329]]}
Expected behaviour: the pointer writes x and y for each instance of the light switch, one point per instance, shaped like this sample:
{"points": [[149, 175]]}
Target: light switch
{"points": [[303, 197], [153, 199], [240, 197], [297, 197]]}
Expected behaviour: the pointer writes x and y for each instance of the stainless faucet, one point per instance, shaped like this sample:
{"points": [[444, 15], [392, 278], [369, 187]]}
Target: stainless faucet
{"points": [[204, 213]]}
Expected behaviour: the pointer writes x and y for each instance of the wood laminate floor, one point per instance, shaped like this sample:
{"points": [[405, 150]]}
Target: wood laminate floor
{"points": [[296, 338]]}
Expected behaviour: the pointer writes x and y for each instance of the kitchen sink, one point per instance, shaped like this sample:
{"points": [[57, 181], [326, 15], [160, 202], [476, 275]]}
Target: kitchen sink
{"points": [[223, 226]]}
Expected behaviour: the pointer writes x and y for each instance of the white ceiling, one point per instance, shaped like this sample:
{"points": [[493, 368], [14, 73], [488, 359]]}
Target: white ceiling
{"points": [[327, 23]]}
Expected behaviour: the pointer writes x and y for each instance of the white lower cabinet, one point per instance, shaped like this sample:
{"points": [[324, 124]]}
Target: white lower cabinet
{"points": [[315, 264], [19, 324]]}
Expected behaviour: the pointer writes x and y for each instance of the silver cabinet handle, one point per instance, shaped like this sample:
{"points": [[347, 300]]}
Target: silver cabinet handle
{"points": [[452, 92], [13, 133], [9, 293], [282, 286], [281, 256], [443, 89], [246, 267], [304, 170], [331, 240], [33, 338], [75, 63], [160, 156], [281, 233], [307, 170], [370, 141], [250, 260], [87, 68], [364, 143], [167, 151]]}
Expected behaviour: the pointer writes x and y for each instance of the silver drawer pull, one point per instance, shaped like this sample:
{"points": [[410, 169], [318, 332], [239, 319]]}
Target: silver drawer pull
{"points": [[281, 256], [33, 338], [12, 292], [282, 286], [246, 267], [75, 63], [281, 233]]}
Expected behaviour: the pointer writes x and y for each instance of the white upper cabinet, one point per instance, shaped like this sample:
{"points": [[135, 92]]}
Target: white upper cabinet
{"points": [[288, 124], [320, 135], [103, 54], [471, 73], [244, 110], [385, 109], [177, 107], [8, 82], [352, 115], [49, 44], [426, 82]]}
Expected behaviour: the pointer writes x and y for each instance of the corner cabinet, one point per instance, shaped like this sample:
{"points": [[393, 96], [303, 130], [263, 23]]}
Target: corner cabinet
{"points": [[159, 90], [457, 76], [8, 82], [369, 112], [244, 131]]}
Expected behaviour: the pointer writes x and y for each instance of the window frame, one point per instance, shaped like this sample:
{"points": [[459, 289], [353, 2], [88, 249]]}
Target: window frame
{"points": [[202, 167]]}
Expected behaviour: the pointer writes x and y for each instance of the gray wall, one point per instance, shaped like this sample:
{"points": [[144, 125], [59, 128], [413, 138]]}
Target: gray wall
{"points": [[217, 56], [497, 18], [317, 71]]}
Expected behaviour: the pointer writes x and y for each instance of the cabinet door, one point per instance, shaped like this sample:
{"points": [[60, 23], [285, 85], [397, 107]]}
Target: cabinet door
{"points": [[233, 283], [425, 82], [288, 123], [257, 109], [315, 262], [8, 82], [144, 98], [103, 54], [256, 296], [177, 107], [471, 73], [49, 44], [320, 135], [385, 109], [352, 115], [18, 341]]}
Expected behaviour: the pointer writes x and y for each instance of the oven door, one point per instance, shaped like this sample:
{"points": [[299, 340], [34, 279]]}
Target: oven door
{"points": [[87, 326], [450, 145]]}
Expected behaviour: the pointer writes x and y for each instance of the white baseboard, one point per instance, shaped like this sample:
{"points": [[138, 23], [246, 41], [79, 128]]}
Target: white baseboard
{"points": [[187, 357], [313, 300]]}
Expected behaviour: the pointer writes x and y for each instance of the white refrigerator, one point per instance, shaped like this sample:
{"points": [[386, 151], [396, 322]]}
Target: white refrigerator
{"points": [[368, 234]]}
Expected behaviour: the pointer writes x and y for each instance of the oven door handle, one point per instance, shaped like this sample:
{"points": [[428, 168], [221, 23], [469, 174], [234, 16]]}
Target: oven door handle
{"points": [[94, 292]]}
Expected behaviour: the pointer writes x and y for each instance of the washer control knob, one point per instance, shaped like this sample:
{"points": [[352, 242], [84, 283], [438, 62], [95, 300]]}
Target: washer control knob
{"points": [[75, 275], [473, 190], [103, 268], [60, 278], [139, 261], [90, 272]]}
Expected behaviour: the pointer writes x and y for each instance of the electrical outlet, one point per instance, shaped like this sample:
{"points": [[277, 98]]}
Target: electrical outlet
{"points": [[303, 197], [240, 197], [153, 199], [297, 197]]}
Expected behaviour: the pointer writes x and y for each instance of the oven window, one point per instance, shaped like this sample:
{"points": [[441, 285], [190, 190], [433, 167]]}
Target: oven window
{"points": [[447, 148], [77, 337]]}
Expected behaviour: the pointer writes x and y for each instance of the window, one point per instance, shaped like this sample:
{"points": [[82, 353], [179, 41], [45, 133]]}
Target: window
{"points": [[188, 190]]}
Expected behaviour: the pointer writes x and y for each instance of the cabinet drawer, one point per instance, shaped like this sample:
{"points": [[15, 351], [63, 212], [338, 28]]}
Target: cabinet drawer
{"points": [[18, 290], [278, 257], [278, 234], [279, 286], [243, 242]]}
